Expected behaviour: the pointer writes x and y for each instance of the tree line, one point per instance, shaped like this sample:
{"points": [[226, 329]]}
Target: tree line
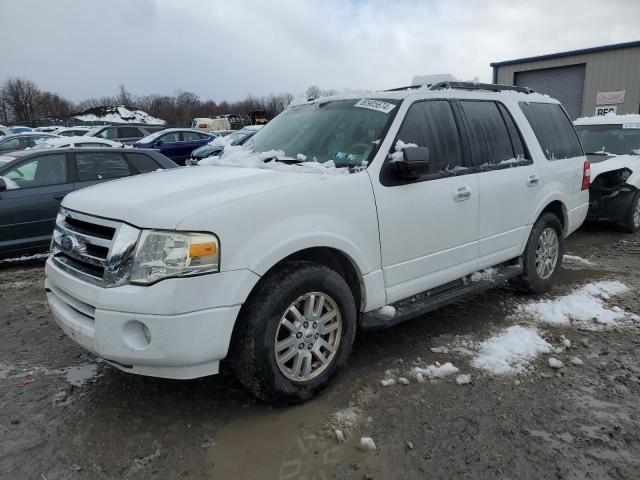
{"points": [[21, 101]]}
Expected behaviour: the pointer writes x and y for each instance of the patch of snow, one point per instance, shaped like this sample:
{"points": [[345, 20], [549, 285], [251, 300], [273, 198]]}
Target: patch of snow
{"points": [[436, 371], [583, 307], [511, 351], [464, 379], [340, 436], [610, 119], [403, 381], [399, 147], [118, 114], [80, 374], [367, 444], [576, 361], [555, 363], [575, 260], [388, 382], [487, 274], [238, 156], [24, 258], [60, 142], [387, 311]]}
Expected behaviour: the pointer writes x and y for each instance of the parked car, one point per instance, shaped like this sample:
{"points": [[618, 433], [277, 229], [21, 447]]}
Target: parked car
{"points": [[353, 212], [78, 142], [73, 131], [18, 129], [33, 182], [176, 143], [123, 133], [612, 143], [48, 129], [216, 146], [20, 141], [4, 131], [209, 124]]}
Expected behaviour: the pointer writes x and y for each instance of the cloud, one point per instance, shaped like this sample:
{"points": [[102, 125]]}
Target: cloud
{"points": [[224, 50]]}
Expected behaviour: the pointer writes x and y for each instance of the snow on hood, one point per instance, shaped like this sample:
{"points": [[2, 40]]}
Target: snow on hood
{"points": [[162, 199], [118, 114], [609, 119], [242, 157], [617, 162]]}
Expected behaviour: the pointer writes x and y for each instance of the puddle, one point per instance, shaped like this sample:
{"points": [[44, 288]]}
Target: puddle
{"points": [[283, 443]]}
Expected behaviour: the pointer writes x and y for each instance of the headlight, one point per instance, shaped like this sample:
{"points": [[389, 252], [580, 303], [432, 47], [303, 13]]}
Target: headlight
{"points": [[625, 174], [161, 254]]}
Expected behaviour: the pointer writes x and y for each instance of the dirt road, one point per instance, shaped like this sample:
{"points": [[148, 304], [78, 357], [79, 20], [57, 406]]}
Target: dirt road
{"points": [[66, 415]]}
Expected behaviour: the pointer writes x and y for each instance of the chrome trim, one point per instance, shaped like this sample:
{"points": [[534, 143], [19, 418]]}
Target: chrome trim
{"points": [[116, 267]]}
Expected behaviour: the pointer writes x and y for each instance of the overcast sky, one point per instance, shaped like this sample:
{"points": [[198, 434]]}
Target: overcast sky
{"points": [[224, 50]]}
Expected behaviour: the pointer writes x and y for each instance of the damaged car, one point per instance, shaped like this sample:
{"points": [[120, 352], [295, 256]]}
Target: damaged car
{"points": [[612, 145]]}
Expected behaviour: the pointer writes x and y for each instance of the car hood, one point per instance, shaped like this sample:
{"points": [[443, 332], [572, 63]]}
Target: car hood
{"points": [[206, 150], [162, 199], [616, 162]]}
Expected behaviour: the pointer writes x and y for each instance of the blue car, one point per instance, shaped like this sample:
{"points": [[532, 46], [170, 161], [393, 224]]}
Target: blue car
{"points": [[21, 129], [175, 143], [216, 148]]}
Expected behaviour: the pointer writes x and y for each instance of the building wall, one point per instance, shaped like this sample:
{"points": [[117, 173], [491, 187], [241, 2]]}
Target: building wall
{"points": [[605, 71]]}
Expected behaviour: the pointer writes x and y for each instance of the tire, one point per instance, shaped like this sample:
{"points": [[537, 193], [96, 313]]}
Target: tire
{"points": [[631, 221], [533, 279], [261, 325]]}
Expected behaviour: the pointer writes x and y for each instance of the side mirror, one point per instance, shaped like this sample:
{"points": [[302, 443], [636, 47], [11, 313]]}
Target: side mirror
{"points": [[3, 185], [413, 164]]}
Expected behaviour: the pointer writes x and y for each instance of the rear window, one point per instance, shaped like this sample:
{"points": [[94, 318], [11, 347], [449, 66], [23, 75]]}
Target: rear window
{"points": [[100, 166], [142, 163], [553, 129]]}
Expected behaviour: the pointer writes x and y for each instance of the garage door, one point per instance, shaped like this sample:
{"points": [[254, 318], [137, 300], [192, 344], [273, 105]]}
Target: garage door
{"points": [[565, 84]]}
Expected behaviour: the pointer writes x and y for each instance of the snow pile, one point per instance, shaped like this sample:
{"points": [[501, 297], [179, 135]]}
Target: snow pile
{"points": [[487, 274], [118, 114], [583, 307], [436, 371], [387, 311], [576, 261], [511, 351], [399, 147], [238, 156]]}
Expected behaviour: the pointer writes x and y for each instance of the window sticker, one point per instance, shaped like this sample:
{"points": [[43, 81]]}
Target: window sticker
{"points": [[631, 125], [376, 105]]}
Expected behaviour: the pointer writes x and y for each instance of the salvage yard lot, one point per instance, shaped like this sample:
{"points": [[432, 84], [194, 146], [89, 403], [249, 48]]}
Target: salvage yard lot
{"points": [[65, 414]]}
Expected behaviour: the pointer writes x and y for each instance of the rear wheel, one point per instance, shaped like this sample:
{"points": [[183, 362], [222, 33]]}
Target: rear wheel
{"points": [[543, 255], [294, 333], [631, 222]]}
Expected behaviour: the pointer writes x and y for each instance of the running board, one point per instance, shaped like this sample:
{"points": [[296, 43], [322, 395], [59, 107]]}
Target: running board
{"points": [[433, 299]]}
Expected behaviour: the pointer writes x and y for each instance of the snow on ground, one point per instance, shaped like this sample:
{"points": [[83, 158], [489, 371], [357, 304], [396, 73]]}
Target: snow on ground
{"points": [[574, 260], [511, 351], [24, 258], [436, 371], [238, 156], [584, 307], [118, 114]]}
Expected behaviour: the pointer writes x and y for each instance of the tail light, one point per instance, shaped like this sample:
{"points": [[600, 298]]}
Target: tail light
{"points": [[586, 176]]}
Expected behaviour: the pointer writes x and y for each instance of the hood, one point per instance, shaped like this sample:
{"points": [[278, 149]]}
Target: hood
{"points": [[162, 199], [207, 150], [617, 162]]}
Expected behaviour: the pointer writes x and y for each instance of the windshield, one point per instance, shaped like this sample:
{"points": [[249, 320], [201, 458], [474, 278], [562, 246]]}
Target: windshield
{"points": [[342, 131], [617, 139]]}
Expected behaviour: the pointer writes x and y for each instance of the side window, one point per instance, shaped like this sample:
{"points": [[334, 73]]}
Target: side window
{"points": [[431, 124], [192, 136], [516, 139], [15, 143], [40, 171], [110, 133], [129, 132], [142, 163], [100, 166], [170, 137], [488, 133], [553, 130]]}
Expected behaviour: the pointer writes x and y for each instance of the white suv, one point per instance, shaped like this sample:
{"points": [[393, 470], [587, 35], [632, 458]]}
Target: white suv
{"points": [[342, 213]]}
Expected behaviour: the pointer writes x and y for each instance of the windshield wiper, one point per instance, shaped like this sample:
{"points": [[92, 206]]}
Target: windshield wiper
{"points": [[287, 160]]}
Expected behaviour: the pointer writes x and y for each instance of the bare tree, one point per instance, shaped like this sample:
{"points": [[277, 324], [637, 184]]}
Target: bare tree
{"points": [[21, 97]]}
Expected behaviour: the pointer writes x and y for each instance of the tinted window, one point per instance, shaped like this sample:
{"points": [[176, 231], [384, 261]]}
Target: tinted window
{"points": [[129, 132], [192, 136], [516, 139], [170, 137], [108, 133], [432, 125], [39, 172], [142, 163], [15, 143], [487, 132], [553, 130], [621, 139], [99, 166]]}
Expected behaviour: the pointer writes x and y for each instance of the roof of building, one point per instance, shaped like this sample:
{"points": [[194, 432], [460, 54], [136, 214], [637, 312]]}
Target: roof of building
{"points": [[571, 53]]}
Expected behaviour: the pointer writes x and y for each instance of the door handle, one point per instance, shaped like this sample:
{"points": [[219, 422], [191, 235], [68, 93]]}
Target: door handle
{"points": [[461, 194], [532, 180]]}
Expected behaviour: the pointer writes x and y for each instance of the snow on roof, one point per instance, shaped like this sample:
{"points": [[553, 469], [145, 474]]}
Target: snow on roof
{"points": [[609, 119], [57, 142], [118, 114]]}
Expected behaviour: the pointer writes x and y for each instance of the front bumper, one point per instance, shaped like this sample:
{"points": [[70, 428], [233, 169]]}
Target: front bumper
{"points": [[181, 329]]}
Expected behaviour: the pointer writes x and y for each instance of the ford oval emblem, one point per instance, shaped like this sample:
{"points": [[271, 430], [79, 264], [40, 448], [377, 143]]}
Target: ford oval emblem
{"points": [[69, 243]]}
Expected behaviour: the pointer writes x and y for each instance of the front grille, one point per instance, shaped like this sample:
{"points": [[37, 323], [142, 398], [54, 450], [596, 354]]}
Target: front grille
{"points": [[94, 249]]}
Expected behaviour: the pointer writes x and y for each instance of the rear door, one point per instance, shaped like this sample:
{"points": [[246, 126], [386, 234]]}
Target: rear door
{"points": [[94, 167], [510, 183], [192, 140], [428, 227], [28, 212], [169, 145]]}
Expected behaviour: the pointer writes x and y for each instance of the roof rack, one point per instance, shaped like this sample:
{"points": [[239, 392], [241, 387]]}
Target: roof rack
{"points": [[492, 87], [399, 89]]}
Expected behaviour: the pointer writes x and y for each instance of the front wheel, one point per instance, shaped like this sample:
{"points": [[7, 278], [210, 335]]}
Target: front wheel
{"points": [[631, 222], [543, 255], [294, 333]]}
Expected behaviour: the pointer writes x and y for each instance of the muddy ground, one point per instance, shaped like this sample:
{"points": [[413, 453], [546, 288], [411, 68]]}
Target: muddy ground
{"points": [[66, 415]]}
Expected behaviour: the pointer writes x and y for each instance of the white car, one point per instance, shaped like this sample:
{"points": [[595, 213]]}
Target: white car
{"points": [[5, 131], [79, 142], [612, 143], [73, 131], [342, 213]]}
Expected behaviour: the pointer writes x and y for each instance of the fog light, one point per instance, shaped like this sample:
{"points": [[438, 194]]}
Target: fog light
{"points": [[136, 335]]}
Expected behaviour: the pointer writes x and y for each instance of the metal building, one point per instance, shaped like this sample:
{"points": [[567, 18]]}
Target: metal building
{"points": [[591, 81]]}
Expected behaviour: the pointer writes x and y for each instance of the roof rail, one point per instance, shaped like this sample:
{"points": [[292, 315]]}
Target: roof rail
{"points": [[399, 89], [492, 87]]}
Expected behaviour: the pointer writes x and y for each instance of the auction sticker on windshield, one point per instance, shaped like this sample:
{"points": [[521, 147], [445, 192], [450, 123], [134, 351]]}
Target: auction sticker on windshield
{"points": [[377, 105], [631, 125]]}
